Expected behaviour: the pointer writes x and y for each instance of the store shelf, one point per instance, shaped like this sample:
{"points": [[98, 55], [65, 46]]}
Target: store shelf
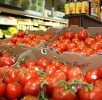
{"points": [[84, 20], [32, 14]]}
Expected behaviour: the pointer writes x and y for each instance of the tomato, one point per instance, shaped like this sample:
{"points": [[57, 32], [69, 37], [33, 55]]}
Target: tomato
{"points": [[91, 75], [21, 34], [6, 61], [11, 75], [98, 82], [59, 93], [43, 62], [82, 34], [29, 97], [51, 69], [53, 81], [62, 46], [31, 88], [94, 94], [95, 46], [61, 38], [29, 64], [98, 37], [71, 45], [2, 88], [74, 72], [66, 41], [64, 68], [13, 39], [69, 35], [56, 63], [88, 51], [13, 90], [89, 41], [27, 75], [75, 40], [100, 71]]}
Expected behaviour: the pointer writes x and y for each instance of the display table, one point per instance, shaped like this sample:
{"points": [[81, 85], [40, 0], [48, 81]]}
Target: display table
{"points": [[83, 20]]}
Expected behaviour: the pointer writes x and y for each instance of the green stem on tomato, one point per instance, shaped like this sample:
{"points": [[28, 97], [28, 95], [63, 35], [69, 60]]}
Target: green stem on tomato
{"points": [[42, 93], [18, 66]]}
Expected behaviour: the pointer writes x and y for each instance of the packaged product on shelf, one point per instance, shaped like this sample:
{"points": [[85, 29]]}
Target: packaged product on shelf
{"points": [[78, 7], [72, 8], [85, 6], [67, 7]]}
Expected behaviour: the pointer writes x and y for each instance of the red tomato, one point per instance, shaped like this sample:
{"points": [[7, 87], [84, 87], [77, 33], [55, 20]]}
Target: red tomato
{"points": [[59, 93], [71, 45], [29, 64], [56, 63], [62, 46], [13, 39], [11, 76], [2, 89], [6, 61], [88, 51], [82, 34], [75, 40], [51, 69], [31, 88], [43, 62], [61, 38], [21, 34], [98, 82], [64, 68], [13, 90], [100, 71], [89, 41], [98, 37], [27, 75], [69, 35], [94, 94], [74, 72], [95, 46], [91, 75], [29, 97], [53, 80]]}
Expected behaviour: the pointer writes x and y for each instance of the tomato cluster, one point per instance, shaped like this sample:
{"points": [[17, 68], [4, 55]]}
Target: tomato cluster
{"points": [[28, 40], [7, 58], [45, 80], [80, 42]]}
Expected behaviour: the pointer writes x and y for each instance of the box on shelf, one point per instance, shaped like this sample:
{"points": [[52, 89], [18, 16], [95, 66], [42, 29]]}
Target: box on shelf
{"points": [[35, 53], [53, 31], [76, 59]]}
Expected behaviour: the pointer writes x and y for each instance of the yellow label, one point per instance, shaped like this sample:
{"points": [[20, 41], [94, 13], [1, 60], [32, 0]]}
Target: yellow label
{"points": [[85, 7], [78, 7], [66, 8], [97, 11], [72, 8]]}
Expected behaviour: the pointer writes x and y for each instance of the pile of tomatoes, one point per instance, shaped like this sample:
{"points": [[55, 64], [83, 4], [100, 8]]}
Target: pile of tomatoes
{"points": [[28, 40], [7, 58], [80, 42], [49, 80]]}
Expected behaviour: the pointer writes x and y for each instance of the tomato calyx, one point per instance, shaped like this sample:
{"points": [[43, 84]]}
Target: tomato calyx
{"points": [[70, 85], [40, 73], [42, 94]]}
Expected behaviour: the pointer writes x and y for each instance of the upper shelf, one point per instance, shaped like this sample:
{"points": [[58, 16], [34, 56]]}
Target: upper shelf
{"points": [[83, 15], [29, 13]]}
